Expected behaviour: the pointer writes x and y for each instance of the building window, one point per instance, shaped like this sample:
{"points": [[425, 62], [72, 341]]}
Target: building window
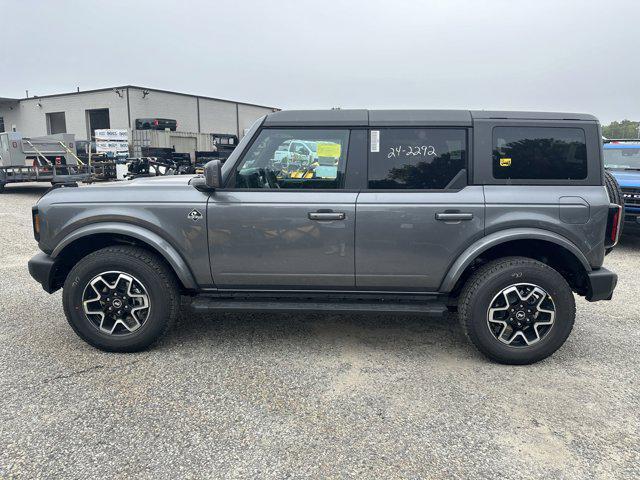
{"points": [[1, 124], [56, 123], [539, 153], [416, 158], [97, 119]]}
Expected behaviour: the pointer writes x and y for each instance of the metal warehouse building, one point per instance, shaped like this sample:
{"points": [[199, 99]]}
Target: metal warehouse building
{"points": [[80, 113]]}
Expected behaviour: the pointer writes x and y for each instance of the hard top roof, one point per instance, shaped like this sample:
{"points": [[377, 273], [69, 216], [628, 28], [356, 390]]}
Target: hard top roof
{"points": [[356, 118]]}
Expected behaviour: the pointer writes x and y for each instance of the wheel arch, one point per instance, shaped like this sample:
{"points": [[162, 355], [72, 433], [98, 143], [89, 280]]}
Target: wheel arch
{"points": [[93, 237], [549, 247]]}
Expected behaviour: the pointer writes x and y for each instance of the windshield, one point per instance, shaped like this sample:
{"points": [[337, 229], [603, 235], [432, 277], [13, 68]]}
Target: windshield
{"points": [[622, 157]]}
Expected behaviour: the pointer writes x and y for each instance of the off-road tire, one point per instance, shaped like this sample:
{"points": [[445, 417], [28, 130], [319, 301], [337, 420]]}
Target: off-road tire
{"points": [[615, 196], [479, 290], [160, 282]]}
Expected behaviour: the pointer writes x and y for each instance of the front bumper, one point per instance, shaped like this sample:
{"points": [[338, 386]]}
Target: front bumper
{"points": [[43, 269], [600, 284]]}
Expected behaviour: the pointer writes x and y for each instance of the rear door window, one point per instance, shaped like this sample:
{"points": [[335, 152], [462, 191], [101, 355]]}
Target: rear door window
{"points": [[539, 153], [416, 158]]}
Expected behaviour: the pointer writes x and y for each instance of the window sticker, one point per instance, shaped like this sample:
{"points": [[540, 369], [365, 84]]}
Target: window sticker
{"points": [[331, 150], [375, 141], [505, 162]]}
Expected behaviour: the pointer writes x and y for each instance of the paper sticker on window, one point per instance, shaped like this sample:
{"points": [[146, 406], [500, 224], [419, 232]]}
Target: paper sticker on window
{"points": [[375, 141], [505, 162], [329, 150]]}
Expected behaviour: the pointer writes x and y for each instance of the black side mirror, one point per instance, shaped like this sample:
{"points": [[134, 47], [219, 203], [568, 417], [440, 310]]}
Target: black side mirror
{"points": [[213, 174], [212, 178]]}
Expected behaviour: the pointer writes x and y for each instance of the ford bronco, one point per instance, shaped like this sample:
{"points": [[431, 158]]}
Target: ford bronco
{"points": [[498, 216]]}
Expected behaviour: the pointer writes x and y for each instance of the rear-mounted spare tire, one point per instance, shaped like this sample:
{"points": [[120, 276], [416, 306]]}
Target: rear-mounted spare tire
{"points": [[615, 196]]}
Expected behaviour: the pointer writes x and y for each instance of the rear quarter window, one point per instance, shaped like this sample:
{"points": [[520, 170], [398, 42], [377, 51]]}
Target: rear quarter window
{"points": [[539, 153]]}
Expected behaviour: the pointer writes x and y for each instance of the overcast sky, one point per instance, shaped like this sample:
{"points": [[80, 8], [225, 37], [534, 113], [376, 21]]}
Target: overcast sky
{"points": [[567, 55]]}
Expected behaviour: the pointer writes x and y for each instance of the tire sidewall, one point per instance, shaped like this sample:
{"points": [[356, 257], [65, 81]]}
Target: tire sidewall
{"points": [[159, 300], [547, 279]]}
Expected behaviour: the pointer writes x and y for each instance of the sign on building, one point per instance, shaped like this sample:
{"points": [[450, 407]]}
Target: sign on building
{"points": [[115, 140]]}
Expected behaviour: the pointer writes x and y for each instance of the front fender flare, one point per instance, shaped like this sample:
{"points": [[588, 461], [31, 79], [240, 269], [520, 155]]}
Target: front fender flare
{"points": [[485, 243], [155, 241]]}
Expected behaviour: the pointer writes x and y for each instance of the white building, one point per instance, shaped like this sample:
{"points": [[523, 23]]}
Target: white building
{"points": [[81, 113]]}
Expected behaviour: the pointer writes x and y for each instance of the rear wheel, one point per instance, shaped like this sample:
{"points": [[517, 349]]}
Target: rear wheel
{"points": [[121, 299], [517, 310]]}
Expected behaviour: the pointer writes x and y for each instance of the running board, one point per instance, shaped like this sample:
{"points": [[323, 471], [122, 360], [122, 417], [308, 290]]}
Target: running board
{"points": [[204, 304]]}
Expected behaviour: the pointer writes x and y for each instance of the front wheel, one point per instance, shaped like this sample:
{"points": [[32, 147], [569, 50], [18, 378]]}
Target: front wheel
{"points": [[121, 299], [517, 310]]}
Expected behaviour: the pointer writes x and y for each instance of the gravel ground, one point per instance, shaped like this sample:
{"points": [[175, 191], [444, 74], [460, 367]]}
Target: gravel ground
{"points": [[310, 396]]}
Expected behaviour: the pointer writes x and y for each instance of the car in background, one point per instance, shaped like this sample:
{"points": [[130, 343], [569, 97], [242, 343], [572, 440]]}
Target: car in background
{"points": [[156, 124], [622, 160]]}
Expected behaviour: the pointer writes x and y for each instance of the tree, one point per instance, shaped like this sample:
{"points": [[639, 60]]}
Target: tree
{"points": [[623, 129]]}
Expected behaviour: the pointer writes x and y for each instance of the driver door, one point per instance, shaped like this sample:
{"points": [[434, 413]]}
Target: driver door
{"points": [[284, 224]]}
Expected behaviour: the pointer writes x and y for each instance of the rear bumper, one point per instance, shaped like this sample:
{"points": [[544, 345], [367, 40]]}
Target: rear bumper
{"points": [[600, 284], [42, 268]]}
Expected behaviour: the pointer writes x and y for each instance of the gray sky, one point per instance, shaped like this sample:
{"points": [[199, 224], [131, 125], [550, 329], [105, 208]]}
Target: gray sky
{"points": [[569, 55]]}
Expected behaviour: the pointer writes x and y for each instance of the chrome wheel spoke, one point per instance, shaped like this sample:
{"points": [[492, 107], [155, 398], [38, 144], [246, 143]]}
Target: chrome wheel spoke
{"points": [[521, 315], [116, 303]]}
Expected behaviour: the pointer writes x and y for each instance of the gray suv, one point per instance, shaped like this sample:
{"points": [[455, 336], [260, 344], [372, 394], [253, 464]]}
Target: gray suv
{"points": [[500, 216]]}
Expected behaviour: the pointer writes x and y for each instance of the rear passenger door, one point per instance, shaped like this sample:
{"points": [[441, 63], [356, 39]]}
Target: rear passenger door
{"points": [[418, 212]]}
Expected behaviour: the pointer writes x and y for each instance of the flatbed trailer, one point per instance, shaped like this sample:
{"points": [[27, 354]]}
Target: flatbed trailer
{"points": [[51, 158]]}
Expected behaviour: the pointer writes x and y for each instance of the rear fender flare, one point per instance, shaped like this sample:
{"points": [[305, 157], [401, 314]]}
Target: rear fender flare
{"points": [[471, 253]]}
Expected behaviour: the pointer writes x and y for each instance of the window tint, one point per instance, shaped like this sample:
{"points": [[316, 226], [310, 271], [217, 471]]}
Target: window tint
{"points": [[539, 153], [294, 158], [416, 158]]}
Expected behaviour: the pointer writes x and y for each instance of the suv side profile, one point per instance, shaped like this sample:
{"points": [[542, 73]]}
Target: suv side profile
{"points": [[500, 216]]}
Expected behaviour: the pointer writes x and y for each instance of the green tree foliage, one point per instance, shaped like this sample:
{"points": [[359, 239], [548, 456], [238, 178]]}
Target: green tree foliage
{"points": [[623, 129]]}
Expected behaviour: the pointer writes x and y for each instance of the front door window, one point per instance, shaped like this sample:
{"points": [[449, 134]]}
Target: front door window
{"points": [[293, 159]]}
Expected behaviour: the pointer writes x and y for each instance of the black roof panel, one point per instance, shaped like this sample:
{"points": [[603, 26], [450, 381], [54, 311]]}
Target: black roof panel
{"points": [[390, 118], [419, 117], [321, 118], [488, 114]]}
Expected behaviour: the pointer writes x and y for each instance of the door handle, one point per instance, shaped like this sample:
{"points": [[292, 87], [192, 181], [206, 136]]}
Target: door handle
{"points": [[326, 216], [453, 217]]}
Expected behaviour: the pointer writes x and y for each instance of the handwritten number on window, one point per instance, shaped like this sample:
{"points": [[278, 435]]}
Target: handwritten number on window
{"points": [[412, 151]]}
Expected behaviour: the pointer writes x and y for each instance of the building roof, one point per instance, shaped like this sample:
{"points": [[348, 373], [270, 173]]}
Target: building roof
{"points": [[390, 118], [124, 87]]}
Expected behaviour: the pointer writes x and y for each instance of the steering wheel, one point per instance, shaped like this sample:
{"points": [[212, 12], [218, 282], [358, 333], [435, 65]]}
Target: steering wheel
{"points": [[271, 179]]}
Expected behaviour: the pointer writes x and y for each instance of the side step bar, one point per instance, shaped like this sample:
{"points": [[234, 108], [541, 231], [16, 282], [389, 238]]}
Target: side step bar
{"points": [[213, 304]]}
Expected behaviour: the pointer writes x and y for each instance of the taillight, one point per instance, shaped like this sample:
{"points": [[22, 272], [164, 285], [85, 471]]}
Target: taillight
{"points": [[614, 221]]}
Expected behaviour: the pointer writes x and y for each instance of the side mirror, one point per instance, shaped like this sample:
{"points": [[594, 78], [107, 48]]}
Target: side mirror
{"points": [[213, 174], [212, 178]]}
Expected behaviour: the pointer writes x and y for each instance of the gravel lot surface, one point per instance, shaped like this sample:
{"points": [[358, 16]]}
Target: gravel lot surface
{"points": [[310, 396]]}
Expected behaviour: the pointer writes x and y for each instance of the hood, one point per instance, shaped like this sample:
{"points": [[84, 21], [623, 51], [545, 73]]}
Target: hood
{"points": [[627, 178], [170, 188], [153, 182]]}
